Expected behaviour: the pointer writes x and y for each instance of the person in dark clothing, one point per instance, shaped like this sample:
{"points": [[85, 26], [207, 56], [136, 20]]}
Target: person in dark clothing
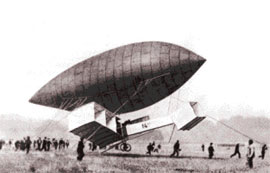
{"points": [[39, 142], [67, 143], [44, 144], [176, 149], [80, 150], [264, 148], [28, 143], [250, 153], [203, 147], [157, 149], [118, 126], [49, 143], [17, 145], [236, 151], [55, 143], [211, 150], [22, 144], [61, 144], [1, 144], [150, 148]]}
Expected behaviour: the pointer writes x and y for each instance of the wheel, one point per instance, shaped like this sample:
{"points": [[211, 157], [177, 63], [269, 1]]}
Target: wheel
{"points": [[125, 147], [128, 147]]}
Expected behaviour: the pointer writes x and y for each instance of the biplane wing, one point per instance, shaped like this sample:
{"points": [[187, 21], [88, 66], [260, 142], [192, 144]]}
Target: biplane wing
{"points": [[95, 124], [97, 133]]}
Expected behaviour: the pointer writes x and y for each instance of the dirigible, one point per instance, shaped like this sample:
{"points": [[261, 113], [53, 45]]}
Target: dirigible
{"points": [[123, 79]]}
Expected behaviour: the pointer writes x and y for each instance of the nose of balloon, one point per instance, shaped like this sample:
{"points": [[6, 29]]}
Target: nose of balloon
{"points": [[195, 62], [35, 99], [200, 61]]}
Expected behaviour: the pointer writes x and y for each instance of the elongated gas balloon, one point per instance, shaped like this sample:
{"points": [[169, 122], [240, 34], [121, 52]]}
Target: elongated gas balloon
{"points": [[129, 77]]}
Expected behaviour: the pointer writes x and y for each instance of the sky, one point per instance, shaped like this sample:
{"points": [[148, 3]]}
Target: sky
{"points": [[40, 39]]}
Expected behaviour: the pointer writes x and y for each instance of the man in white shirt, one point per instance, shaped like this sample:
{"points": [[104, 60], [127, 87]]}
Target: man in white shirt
{"points": [[250, 153]]}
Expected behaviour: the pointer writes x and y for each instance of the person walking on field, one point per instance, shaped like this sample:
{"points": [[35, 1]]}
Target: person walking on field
{"points": [[250, 153], [176, 149], [202, 147], [61, 144], [49, 143], [264, 148], [211, 150], [80, 150], [28, 143], [67, 143], [236, 151], [39, 142], [157, 149], [55, 143], [149, 148], [44, 144]]}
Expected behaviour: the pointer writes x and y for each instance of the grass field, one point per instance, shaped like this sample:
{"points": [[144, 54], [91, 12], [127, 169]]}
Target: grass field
{"points": [[192, 159]]}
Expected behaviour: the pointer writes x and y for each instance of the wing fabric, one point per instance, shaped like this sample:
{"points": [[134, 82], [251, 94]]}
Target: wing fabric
{"points": [[97, 133]]}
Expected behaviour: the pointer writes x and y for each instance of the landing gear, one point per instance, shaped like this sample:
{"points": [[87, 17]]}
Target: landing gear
{"points": [[125, 147]]}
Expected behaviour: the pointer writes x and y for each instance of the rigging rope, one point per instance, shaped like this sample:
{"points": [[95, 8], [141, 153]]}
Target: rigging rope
{"points": [[173, 124], [233, 129], [230, 127], [64, 105]]}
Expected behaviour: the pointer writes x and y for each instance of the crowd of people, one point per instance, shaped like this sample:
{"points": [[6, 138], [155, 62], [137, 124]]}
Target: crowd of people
{"points": [[39, 144], [152, 148], [24, 144], [45, 144]]}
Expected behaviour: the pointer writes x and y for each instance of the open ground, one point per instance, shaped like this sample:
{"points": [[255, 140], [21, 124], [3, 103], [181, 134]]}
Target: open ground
{"points": [[191, 159]]}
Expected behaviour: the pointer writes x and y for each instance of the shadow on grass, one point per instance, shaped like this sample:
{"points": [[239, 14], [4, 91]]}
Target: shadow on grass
{"points": [[185, 170], [132, 155]]}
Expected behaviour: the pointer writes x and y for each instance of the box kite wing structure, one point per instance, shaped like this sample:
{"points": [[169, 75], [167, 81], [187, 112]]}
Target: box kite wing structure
{"points": [[104, 129], [95, 124], [97, 133]]}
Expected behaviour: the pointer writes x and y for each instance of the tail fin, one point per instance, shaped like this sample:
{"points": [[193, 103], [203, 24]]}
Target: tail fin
{"points": [[187, 116], [197, 109]]}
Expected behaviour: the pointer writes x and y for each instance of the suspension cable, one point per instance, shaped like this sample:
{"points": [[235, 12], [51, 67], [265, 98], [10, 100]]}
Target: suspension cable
{"points": [[230, 127], [66, 104], [233, 129]]}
